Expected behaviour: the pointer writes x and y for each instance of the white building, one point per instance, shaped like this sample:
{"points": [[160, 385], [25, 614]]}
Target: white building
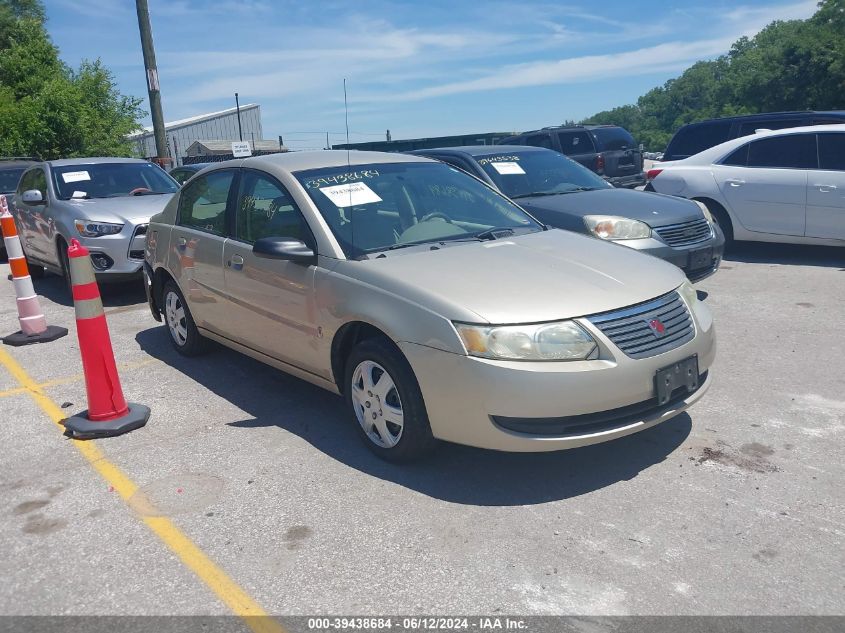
{"points": [[182, 134]]}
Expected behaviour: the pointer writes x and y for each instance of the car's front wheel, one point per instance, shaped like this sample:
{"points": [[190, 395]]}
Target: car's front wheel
{"points": [[180, 323], [386, 403]]}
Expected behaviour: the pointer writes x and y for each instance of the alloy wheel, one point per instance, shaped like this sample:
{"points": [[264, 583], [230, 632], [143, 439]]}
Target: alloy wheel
{"points": [[377, 405], [175, 313]]}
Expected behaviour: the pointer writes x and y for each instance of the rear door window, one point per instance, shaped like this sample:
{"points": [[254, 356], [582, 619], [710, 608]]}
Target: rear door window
{"points": [[832, 151], [575, 143], [696, 138], [791, 151], [613, 138], [539, 140], [204, 202]]}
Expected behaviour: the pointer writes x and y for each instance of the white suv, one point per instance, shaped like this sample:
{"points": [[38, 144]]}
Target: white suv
{"points": [[772, 186]]}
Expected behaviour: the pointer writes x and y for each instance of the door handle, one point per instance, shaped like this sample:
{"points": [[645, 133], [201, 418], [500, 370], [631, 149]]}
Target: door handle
{"points": [[181, 242], [236, 262], [825, 188], [735, 182]]}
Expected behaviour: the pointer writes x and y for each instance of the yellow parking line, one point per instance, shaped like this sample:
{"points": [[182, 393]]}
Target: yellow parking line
{"points": [[189, 553], [74, 378]]}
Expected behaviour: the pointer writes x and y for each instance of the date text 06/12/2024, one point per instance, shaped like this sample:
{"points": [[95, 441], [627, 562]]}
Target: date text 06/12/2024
{"points": [[420, 623]]}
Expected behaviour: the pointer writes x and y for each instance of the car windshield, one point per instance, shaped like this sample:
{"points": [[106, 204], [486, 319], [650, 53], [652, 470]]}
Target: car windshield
{"points": [[378, 207], [111, 180], [531, 173], [9, 179]]}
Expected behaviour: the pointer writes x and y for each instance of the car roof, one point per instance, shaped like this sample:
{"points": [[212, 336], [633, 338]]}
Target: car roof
{"points": [[718, 151], [481, 150], [16, 162], [770, 115], [64, 162], [299, 161]]}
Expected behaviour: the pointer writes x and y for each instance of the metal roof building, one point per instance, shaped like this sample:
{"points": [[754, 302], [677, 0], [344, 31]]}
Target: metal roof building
{"points": [[222, 125]]}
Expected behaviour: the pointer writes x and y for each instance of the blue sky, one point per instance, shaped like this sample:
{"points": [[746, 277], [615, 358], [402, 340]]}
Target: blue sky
{"points": [[422, 68]]}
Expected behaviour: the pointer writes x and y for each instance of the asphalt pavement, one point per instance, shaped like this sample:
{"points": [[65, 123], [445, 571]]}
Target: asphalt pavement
{"points": [[734, 508]]}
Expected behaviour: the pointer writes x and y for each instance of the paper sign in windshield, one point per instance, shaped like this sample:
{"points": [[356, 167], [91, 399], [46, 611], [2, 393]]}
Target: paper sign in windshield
{"points": [[351, 194], [75, 176], [508, 168]]}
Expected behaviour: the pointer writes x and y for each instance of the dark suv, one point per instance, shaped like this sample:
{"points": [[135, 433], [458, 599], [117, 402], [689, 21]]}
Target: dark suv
{"points": [[608, 150], [10, 173], [697, 137]]}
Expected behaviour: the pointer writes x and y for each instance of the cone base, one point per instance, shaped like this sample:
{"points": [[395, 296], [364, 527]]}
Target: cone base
{"points": [[80, 427], [52, 333]]}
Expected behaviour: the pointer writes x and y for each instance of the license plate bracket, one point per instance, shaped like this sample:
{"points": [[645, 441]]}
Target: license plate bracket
{"points": [[684, 373], [700, 258]]}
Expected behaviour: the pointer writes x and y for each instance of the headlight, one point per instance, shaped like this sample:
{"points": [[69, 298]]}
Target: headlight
{"points": [[97, 229], [611, 227], [564, 340], [689, 293]]}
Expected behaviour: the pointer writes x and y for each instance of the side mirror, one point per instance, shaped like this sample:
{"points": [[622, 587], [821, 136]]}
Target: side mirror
{"points": [[285, 248], [32, 196]]}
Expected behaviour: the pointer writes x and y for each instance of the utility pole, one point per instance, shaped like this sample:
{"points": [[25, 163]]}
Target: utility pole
{"points": [[328, 145], [152, 81], [238, 108]]}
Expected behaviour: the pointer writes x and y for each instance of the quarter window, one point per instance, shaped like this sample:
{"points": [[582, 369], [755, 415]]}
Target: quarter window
{"points": [[266, 209], [203, 202], [832, 151], [739, 157], [575, 143], [791, 151]]}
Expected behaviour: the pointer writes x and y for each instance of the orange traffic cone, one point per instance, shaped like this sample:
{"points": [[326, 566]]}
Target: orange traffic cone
{"points": [[108, 412], [34, 328]]}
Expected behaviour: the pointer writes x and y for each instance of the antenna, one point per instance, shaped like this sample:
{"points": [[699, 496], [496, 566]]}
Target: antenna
{"points": [[348, 163]]}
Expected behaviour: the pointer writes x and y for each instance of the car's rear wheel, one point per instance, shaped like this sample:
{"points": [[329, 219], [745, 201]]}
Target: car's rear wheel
{"points": [[721, 217], [184, 335], [386, 403]]}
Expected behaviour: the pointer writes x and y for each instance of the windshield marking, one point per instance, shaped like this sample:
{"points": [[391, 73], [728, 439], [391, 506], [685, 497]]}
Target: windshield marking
{"points": [[350, 194], [339, 179], [508, 168], [498, 159]]}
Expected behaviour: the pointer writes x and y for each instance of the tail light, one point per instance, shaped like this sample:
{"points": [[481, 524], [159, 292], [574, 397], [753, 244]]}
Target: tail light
{"points": [[651, 174], [599, 164]]}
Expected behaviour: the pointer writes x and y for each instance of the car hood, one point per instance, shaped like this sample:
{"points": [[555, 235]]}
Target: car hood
{"points": [[654, 209], [537, 277], [131, 209]]}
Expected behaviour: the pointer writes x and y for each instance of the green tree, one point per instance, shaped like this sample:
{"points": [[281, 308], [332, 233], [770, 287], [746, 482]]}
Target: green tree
{"points": [[794, 65], [48, 109]]}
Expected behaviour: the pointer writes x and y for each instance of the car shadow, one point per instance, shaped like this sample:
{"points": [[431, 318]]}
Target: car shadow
{"points": [[788, 254], [457, 474], [53, 288]]}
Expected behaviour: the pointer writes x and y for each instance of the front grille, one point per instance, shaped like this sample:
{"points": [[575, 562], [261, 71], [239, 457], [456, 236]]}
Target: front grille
{"points": [[630, 331], [685, 233]]}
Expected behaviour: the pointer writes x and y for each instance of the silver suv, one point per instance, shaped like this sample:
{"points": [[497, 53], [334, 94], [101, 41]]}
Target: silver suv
{"points": [[105, 203]]}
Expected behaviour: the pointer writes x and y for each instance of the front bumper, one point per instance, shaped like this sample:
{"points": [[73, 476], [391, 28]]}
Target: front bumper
{"points": [[465, 396], [687, 258], [627, 182], [117, 257]]}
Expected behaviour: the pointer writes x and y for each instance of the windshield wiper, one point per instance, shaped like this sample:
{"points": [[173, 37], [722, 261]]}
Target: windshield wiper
{"points": [[495, 233], [537, 194]]}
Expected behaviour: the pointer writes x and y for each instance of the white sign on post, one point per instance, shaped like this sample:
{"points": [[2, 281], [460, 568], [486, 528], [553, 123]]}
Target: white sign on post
{"points": [[241, 149]]}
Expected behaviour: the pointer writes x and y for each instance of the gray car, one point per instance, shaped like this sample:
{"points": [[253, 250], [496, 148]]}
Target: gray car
{"points": [[105, 203], [435, 305], [561, 193]]}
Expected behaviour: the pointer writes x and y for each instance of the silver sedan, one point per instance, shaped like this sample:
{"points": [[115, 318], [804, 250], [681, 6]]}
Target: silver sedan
{"points": [[438, 308]]}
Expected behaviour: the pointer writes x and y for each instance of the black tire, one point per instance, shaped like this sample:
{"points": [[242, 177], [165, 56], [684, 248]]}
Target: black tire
{"points": [[722, 219], [36, 271], [193, 343], [415, 439], [64, 260]]}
